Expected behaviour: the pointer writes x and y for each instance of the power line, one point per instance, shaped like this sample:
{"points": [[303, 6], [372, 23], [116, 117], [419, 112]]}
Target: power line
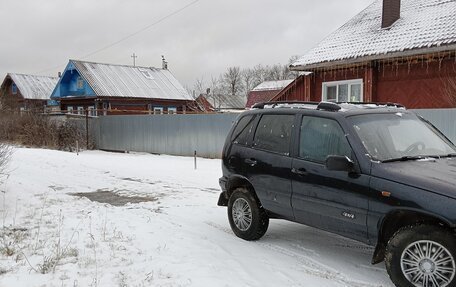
{"points": [[130, 35], [141, 30]]}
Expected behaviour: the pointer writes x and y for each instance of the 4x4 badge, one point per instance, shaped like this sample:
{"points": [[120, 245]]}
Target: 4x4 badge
{"points": [[349, 215]]}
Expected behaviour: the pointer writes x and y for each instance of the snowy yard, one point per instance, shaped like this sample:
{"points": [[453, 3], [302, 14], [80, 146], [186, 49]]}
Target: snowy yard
{"points": [[177, 237]]}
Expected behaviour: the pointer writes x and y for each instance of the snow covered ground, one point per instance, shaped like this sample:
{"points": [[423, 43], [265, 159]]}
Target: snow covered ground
{"points": [[180, 237]]}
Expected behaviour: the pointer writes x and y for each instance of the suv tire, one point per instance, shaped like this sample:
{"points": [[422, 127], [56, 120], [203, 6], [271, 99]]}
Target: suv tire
{"points": [[422, 253], [247, 218]]}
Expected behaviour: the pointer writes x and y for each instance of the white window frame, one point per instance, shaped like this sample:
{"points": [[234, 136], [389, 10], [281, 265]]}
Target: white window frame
{"points": [[92, 111], [80, 110], [70, 109], [324, 95], [158, 110], [172, 110]]}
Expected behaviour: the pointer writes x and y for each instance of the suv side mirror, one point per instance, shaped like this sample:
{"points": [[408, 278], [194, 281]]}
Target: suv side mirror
{"points": [[339, 163]]}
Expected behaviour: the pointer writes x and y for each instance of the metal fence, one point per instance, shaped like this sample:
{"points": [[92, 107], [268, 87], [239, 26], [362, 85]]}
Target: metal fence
{"points": [[165, 134], [203, 133], [443, 119]]}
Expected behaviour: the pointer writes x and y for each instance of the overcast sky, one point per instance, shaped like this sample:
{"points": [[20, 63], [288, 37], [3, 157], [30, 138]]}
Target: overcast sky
{"points": [[40, 36]]}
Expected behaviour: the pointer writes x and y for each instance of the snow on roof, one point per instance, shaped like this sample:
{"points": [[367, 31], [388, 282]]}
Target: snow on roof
{"points": [[272, 85], [424, 25], [34, 87], [129, 81]]}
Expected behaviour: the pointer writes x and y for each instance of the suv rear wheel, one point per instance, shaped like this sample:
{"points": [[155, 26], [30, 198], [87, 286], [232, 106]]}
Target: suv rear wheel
{"points": [[247, 218], [422, 255]]}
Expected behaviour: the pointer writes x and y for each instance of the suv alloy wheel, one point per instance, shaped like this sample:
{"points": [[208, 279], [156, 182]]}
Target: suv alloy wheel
{"points": [[422, 255], [247, 218]]}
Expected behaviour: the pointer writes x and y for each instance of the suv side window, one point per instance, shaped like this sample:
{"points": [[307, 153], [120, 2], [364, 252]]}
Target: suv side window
{"points": [[274, 133], [321, 137], [243, 129]]}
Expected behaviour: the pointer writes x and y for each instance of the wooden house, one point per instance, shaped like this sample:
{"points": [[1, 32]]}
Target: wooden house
{"points": [[103, 89], [265, 91], [26, 92], [393, 51]]}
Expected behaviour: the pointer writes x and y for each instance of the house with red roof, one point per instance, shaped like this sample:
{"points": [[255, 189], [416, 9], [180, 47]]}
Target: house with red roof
{"points": [[265, 91], [392, 51]]}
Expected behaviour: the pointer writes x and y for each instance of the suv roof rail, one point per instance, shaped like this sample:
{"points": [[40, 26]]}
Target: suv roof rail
{"points": [[326, 106], [388, 104], [274, 104]]}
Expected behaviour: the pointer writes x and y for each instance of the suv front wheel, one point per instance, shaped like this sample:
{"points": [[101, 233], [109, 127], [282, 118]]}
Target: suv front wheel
{"points": [[422, 255], [247, 218]]}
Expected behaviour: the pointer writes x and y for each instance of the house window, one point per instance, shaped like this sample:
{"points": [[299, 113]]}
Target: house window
{"points": [[92, 111], [80, 83], [70, 109], [80, 110], [13, 89], [343, 91], [158, 110], [172, 110]]}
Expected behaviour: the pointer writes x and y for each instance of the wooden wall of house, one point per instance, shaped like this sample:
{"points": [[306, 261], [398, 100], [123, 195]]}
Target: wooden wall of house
{"points": [[415, 84], [419, 85], [124, 106], [10, 100]]}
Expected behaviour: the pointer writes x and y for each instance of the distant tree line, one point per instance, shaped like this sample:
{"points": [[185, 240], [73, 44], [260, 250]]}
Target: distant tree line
{"points": [[238, 82]]}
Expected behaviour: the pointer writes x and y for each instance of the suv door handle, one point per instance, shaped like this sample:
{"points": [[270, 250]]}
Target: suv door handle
{"points": [[300, 171], [250, 161]]}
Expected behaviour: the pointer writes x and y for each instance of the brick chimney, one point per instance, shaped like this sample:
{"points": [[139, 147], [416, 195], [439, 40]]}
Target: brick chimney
{"points": [[391, 12]]}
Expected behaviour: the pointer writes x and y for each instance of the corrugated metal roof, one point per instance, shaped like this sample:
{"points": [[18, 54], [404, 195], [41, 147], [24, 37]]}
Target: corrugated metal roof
{"points": [[34, 87], [128, 81], [272, 85], [227, 102], [256, 97], [424, 24]]}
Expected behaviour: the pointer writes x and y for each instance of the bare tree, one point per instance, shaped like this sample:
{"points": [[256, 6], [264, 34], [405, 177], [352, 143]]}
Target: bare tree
{"points": [[216, 93], [232, 81], [199, 87], [248, 77]]}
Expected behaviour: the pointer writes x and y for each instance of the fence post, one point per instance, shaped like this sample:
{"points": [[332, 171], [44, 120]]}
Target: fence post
{"points": [[87, 128], [195, 159]]}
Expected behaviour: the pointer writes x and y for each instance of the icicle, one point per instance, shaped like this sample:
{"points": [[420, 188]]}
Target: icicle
{"points": [[440, 61], [408, 63]]}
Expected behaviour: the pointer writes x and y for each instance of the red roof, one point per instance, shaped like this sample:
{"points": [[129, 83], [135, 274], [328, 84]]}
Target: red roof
{"points": [[260, 96]]}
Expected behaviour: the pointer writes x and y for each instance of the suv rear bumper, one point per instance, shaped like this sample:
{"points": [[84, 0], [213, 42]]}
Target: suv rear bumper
{"points": [[223, 199]]}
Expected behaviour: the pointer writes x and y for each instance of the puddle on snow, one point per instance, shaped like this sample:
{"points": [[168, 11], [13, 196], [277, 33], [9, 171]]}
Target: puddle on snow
{"points": [[109, 197]]}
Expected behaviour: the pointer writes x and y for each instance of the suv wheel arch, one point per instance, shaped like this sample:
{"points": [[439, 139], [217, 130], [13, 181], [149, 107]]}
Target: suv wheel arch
{"points": [[237, 181], [397, 219]]}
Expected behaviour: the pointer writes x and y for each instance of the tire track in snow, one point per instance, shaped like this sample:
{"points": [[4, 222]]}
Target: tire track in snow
{"points": [[308, 265]]}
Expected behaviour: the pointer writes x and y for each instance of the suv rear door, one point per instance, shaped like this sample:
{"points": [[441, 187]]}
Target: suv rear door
{"points": [[331, 200], [268, 163]]}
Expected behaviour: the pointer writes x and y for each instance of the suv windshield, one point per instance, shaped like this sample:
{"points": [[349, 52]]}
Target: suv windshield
{"points": [[400, 136]]}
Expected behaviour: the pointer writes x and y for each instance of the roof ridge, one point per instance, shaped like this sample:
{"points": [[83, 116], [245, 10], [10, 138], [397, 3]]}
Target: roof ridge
{"points": [[32, 75], [120, 65]]}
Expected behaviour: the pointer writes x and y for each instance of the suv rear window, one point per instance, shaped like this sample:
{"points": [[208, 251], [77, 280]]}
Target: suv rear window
{"points": [[320, 138], [242, 131], [274, 133]]}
